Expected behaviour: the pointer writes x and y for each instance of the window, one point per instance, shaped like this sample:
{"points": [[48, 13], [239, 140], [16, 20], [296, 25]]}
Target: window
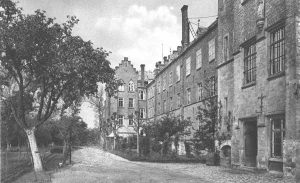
{"points": [[188, 96], [131, 86], [130, 103], [178, 72], [142, 113], [165, 106], [226, 48], [277, 51], [120, 103], [141, 95], [130, 117], [200, 92], [170, 79], [199, 59], [158, 108], [158, 86], [250, 64], [178, 100], [211, 50], [121, 119], [164, 81], [188, 66], [171, 103], [212, 86], [121, 87], [278, 134]]}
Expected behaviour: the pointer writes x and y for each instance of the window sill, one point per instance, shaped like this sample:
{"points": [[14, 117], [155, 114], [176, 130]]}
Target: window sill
{"points": [[130, 107], [249, 85], [198, 68], [212, 60], [275, 76], [120, 106], [276, 159], [187, 75]]}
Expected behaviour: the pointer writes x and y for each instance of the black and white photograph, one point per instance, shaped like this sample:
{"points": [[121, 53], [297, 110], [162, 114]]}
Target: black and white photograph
{"points": [[150, 91]]}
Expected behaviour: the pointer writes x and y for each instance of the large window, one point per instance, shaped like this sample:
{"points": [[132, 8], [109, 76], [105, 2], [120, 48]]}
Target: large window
{"points": [[188, 96], [212, 86], [158, 86], [130, 103], [178, 100], [120, 102], [250, 64], [278, 133], [141, 95], [142, 113], [198, 59], [131, 86], [120, 119], [188, 66], [200, 92], [130, 117], [226, 48], [178, 72], [164, 81], [170, 79], [211, 50], [277, 51]]}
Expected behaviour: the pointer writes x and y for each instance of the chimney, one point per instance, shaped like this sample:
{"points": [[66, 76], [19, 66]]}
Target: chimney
{"points": [[185, 27], [143, 74]]}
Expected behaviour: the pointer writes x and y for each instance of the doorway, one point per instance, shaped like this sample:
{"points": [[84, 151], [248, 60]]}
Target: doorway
{"points": [[250, 136]]}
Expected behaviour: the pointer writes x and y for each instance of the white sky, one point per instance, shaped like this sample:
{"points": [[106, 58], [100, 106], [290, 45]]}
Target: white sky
{"points": [[128, 28]]}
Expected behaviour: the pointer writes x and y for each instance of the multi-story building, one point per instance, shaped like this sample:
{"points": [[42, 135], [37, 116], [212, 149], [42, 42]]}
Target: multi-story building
{"points": [[258, 83], [179, 84], [128, 105]]}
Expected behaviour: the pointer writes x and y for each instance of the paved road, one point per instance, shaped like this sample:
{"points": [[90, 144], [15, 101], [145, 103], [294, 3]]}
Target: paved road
{"points": [[94, 165]]}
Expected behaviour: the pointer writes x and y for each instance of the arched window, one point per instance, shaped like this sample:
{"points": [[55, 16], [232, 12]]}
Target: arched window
{"points": [[131, 86]]}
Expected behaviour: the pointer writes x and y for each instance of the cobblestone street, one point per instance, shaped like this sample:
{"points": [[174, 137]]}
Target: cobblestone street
{"points": [[94, 165]]}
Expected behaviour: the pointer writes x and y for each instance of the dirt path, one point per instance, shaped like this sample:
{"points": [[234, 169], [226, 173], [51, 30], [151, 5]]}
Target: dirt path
{"points": [[94, 165]]}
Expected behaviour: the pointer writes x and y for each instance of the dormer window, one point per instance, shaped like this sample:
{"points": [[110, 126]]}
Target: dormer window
{"points": [[131, 86]]}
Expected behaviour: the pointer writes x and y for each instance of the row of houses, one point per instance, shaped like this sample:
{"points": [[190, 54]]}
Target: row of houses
{"points": [[248, 59]]}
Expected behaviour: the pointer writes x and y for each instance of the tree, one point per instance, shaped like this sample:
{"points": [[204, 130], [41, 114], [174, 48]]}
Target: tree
{"points": [[49, 64], [165, 128]]}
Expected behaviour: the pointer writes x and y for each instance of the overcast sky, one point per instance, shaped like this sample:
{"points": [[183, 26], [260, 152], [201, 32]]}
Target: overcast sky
{"points": [[128, 28]]}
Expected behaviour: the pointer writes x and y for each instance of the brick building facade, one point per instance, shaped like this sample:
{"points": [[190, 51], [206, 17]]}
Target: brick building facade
{"points": [[128, 105], [257, 69], [179, 86]]}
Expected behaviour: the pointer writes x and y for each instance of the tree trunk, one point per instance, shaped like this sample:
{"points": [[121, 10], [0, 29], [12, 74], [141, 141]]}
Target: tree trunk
{"points": [[37, 162], [65, 152]]}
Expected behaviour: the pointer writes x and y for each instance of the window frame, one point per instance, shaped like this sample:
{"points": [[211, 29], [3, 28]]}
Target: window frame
{"points": [[171, 78], [250, 55], [178, 72], [120, 99], [275, 56], [120, 117], [130, 103], [131, 86], [188, 96], [141, 94], [188, 66], [282, 130], [212, 50], [199, 59], [200, 91], [226, 47], [142, 114], [130, 120]]}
